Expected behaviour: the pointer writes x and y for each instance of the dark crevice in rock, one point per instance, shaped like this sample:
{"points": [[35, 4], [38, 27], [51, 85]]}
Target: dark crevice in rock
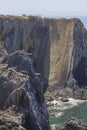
{"points": [[80, 72], [30, 124]]}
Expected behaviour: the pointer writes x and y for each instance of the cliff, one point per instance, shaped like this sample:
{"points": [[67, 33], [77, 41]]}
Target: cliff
{"points": [[36, 52], [22, 87], [58, 46]]}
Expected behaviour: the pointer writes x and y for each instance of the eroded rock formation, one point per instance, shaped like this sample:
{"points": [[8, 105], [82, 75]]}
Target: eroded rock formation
{"points": [[75, 124], [11, 119], [21, 86], [58, 46]]}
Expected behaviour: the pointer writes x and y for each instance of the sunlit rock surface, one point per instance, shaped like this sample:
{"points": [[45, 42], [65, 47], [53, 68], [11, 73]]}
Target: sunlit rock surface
{"points": [[21, 86], [75, 124], [58, 46], [59, 56]]}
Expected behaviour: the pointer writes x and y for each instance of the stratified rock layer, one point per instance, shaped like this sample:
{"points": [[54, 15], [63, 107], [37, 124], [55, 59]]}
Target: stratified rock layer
{"points": [[11, 119], [21, 86], [58, 59], [58, 46]]}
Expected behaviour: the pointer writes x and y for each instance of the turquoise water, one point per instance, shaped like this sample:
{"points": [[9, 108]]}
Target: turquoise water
{"points": [[80, 112]]}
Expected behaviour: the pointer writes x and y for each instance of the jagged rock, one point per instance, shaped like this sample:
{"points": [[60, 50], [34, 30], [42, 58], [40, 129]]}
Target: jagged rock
{"points": [[11, 119], [10, 81], [75, 124], [18, 88], [22, 61], [66, 100]]}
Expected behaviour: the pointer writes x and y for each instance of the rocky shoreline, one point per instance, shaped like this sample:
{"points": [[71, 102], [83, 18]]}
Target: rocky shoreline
{"points": [[64, 94], [57, 105], [74, 124]]}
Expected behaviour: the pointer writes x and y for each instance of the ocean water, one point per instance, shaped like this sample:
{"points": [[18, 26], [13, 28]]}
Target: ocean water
{"points": [[79, 111]]}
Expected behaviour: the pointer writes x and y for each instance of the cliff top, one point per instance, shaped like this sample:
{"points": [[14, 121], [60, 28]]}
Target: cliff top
{"points": [[38, 17]]}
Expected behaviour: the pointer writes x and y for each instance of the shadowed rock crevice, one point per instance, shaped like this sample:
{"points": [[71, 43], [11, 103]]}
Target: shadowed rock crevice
{"points": [[77, 75], [80, 72]]}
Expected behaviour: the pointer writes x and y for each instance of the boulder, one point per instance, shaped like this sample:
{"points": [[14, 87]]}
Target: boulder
{"points": [[75, 124]]}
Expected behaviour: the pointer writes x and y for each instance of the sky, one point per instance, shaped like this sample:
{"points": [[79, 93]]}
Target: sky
{"points": [[46, 8]]}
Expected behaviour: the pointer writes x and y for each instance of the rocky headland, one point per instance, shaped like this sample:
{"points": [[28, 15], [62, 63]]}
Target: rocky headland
{"points": [[38, 54]]}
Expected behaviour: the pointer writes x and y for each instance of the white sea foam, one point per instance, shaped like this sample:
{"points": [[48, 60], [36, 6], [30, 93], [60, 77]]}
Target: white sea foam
{"points": [[53, 127], [60, 105]]}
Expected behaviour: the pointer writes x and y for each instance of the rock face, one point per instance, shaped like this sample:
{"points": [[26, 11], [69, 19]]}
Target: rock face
{"points": [[21, 86], [75, 125], [11, 119], [58, 46]]}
